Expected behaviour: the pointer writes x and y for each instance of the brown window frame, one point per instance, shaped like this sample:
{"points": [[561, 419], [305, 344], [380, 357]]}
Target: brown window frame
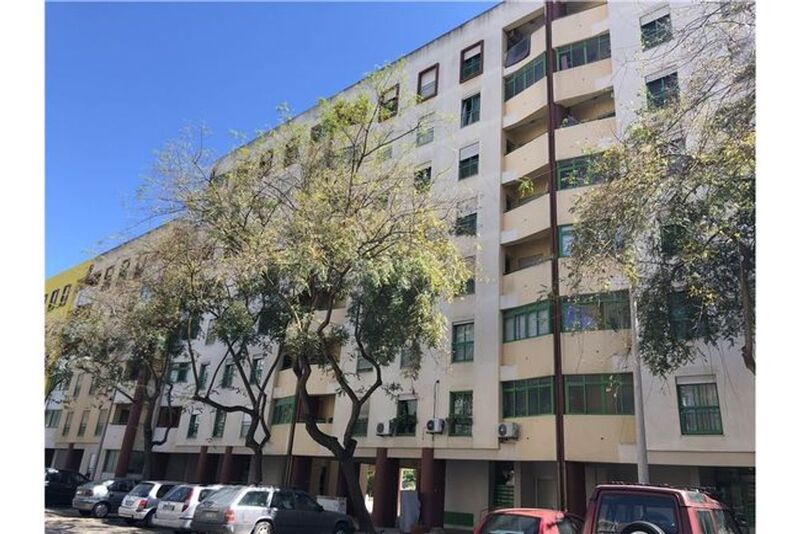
{"points": [[461, 63], [434, 67]]}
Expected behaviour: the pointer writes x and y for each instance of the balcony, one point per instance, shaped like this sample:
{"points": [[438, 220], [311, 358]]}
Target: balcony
{"points": [[525, 220], [526, 159], [531, 101], [522, 43], [527, 285], [573, 141], [580, 26], [598, 438], [578, 82]]}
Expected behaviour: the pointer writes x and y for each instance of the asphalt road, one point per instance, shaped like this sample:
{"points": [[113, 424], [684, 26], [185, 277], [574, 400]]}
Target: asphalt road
{"points": [[67, 521]]}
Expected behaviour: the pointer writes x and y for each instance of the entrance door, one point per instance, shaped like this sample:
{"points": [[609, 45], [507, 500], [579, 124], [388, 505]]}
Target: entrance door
{"points": [[74, 460]]}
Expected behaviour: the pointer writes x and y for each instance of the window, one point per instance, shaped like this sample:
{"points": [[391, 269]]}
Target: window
{"points": [[92, 385], [428, 83], [460, 413], [110, 461], [306, 503], [65, 294], [671, 236], [685, 316], [422, 179], [360, 427], [706, 521], [254, 498], [291, 153], [179, 372], [389, 103], [161, 491], [363, 365], [283, 500], [52, 418], [425, 130], [100, 426], [283, 411], [469, 285], [463, 342], [67, 424], [406, 421], [532, 396], [83, 422], [244, 428], [256, 370], [211, 334], [575, 172], [468, 161], [227, 376], [121, 414], [123, 269], [219, 424], [202, 376], [564, 240], [168, 416], [53, 298], [656, 32], [526, 76], [194, 424], [509, 522], [599, 394], [599, 311], [407, 358], [617, 510], [139, 268], [76, 390], [107, 277], [471, 110], [532, 320], [698, 406], [190, 328], [471, 61], [583, 52], [467, 225], [662, 91]]}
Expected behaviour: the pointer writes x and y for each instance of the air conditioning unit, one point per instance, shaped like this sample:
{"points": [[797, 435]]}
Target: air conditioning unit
{"points": [[434, 426], [384, 428], [508, 431]]}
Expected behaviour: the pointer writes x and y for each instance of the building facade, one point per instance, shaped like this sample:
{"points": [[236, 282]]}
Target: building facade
{"points": [[535, 390]]}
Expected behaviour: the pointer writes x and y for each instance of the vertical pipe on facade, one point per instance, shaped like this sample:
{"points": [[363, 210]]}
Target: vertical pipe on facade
{"points": [[549, 15]]}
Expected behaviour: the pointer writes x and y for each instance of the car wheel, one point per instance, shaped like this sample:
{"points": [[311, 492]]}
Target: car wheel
{"points": [[84, 513], [100, 510], [341, 528], [148, 519], [642, 527], [263, 527], [130, 520]]}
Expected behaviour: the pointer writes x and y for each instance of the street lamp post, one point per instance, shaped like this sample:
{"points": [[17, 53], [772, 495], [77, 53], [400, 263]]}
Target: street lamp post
{"points": [[642, 469]]}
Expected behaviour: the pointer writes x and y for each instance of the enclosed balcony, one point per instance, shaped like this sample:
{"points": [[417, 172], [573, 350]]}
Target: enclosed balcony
{"points": [[584, 81], [526, 149], [523, 39], [574, 141], [528, 216], [580, 21]]}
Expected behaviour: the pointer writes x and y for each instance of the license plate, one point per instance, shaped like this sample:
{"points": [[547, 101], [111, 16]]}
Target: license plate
{"points": [[169, 507], [210, 515]]}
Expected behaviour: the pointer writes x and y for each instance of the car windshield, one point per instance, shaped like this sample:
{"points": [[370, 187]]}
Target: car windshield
{"points": [[142, 490], [510, 524], [618, 510]]}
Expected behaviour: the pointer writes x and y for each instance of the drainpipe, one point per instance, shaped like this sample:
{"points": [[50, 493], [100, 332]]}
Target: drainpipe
{"points": [[552, 110]]}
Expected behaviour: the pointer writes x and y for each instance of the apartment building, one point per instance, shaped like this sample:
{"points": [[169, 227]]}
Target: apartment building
{"points": [[518, 350]]}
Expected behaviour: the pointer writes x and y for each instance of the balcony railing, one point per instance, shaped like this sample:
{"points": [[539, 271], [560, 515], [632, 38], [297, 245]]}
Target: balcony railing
{"points": [[518, 51]]}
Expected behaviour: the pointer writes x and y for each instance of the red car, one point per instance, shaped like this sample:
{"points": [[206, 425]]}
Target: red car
{"points": [[642, 509], [529, 521]]}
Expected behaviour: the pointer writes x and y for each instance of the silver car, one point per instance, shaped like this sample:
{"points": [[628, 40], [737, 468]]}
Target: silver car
{"points": [[141, 503], [176, 508], [102, 497], [266, 510]]}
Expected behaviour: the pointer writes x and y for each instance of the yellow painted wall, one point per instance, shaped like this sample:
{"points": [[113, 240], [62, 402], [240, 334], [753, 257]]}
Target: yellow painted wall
{"points": [[58, 282]]}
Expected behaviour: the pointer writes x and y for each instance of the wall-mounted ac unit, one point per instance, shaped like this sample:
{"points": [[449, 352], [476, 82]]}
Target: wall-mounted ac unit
{"points": [[384, 428], [434, 426], [508, 431]]}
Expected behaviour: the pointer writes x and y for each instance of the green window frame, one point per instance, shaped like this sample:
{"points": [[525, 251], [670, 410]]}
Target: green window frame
{"points": [[531, 320], [685, 316], [466, 225], [596, 311], [526, 76], [219, 424], [583, 52], [463, 349], [599, 394], [460, 413], [662, 91], [468, 167], [283, 411], [528, 397], [565, 237], [575, 172], [656, 32], [179, 373], [699, 410], [202, 375], [256, 370], [471, 110], [194, 424], [227, 376]]}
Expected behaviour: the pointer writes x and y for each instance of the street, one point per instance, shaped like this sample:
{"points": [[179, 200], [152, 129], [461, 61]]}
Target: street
{"points": [[63, 520]]}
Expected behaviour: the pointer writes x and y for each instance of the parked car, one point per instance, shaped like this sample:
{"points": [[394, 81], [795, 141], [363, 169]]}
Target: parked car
{"points": [[266, 510], [60, 485], [644, 509], [176, 508], [103, 497], [529, 521], [141, 503]]}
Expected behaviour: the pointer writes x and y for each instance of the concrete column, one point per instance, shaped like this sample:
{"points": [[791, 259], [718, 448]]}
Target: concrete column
{"points": [[576, 488], [131, 427], [431, 489], [387, 472], [227, 466], [301, 473], [200, 471]]}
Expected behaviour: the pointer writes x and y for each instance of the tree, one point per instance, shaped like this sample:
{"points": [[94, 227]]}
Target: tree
{"points": [[318, 219], [676, 214]]}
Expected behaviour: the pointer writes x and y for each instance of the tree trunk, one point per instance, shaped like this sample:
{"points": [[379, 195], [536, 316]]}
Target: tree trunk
{"points": [[148, 440], [256, 473], [748, 350], [351, 478]]}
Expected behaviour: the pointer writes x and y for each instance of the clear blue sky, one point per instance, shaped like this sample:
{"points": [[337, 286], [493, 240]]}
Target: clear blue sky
{"points": [[122, 79]]}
